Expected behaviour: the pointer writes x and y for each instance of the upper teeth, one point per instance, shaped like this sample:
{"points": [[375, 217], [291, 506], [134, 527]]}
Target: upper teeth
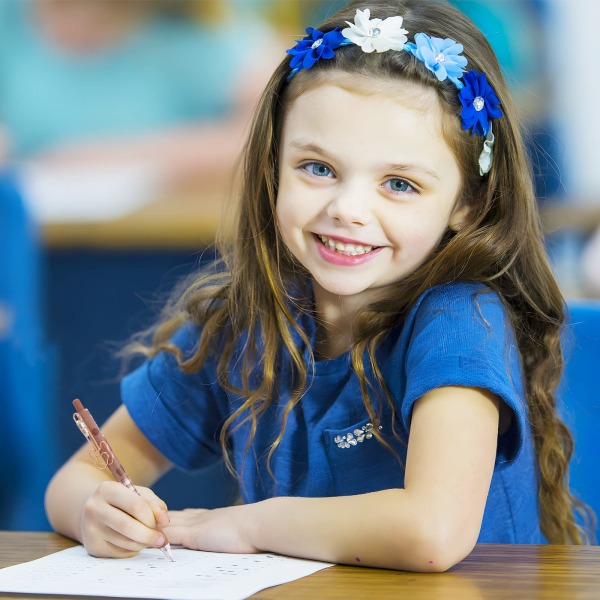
{"points": [[351, 249]]}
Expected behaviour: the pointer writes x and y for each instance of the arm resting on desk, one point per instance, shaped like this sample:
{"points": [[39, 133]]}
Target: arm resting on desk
{"points": [[429, 526]]}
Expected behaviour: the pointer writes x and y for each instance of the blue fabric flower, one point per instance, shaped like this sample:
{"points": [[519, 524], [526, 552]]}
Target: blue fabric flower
{"points": [[315, 46], [441, 56], [480, 103]]}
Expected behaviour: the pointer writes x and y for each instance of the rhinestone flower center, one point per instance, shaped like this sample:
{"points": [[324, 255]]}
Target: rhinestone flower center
{"points": [[478, 103], [374, 32], [440, 58], [317, 43]]}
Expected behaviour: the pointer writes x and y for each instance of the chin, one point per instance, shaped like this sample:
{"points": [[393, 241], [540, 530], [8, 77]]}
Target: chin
{"points": [[343, 288]]}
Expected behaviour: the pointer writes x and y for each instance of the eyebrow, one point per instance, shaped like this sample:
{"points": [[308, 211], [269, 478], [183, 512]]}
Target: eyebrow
{"points": [[411, 167], [307, 147]]}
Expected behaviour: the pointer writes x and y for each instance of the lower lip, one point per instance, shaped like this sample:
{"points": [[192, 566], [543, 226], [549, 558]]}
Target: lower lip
{"points": [[344, 260]]}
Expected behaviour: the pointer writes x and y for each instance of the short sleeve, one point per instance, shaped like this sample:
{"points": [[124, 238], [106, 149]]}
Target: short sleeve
{"points": [[460, 335], [180, 414]]}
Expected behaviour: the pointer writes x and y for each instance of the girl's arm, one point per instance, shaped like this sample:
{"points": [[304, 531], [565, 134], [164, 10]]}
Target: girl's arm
{"points": [[85, 503], [430, 525]]}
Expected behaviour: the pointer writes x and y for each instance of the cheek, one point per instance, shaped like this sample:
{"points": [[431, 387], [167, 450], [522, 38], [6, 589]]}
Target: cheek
{"points": [[287, 218], [416, 237], [282, 213]]}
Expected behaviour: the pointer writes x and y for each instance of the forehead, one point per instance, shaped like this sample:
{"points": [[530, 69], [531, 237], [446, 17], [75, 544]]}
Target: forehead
{"points": [[367, 115], [409, 93]]}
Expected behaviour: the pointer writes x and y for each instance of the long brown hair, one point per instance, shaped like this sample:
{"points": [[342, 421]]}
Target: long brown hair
{"points": [[499, 244]]}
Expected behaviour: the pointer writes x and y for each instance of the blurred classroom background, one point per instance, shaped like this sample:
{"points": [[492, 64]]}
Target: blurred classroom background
{"points": [[120, 123]]}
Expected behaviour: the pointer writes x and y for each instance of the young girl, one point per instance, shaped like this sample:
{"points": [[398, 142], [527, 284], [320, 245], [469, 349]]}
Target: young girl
{"points": [[377, 355]]}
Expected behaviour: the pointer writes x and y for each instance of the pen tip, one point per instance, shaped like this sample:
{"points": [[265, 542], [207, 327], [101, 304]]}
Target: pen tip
{"points": [[166, 550]]}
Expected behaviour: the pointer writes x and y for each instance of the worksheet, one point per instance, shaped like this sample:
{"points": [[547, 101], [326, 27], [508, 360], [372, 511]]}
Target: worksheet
{"points": [[192, 576]]}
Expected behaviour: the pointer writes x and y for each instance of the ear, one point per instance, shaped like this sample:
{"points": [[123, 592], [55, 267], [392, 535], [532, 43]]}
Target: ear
{"points": [[458, 217]]}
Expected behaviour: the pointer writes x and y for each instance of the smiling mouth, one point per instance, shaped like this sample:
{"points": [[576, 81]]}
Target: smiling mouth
{"points": [[347, 249]]}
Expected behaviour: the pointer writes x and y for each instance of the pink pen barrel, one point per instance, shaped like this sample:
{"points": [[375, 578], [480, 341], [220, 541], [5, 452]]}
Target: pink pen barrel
{"points": [[105, 452]]}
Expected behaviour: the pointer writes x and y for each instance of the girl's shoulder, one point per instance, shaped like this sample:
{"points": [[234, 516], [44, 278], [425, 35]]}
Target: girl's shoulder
{"points": [[453, 302], [457, 294], [456, 316]]}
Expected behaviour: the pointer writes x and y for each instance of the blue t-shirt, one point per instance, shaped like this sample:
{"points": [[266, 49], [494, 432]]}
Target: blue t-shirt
{"points": [[455, 334]]}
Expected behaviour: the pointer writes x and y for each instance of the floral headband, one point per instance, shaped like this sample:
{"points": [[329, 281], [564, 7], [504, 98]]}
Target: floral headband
{"points": [[441, 56]]}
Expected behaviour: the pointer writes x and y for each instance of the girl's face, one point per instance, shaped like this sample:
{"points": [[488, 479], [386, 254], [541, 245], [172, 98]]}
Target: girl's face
{"points": [[367, 184]]}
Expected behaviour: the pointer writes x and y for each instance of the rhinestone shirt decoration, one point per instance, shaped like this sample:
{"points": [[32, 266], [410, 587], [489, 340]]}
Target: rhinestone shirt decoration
{"points": [[355, 437], [478, 103]]}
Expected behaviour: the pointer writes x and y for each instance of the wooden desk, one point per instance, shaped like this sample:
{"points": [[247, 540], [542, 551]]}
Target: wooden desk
{"points": [[491, 572]]}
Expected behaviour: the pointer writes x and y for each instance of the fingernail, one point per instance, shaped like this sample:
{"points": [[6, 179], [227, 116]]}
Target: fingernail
{"points": [[161, 542]]}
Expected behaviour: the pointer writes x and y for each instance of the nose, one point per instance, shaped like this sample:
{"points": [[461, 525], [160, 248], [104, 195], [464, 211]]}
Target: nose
{"points": [[350, 206]]}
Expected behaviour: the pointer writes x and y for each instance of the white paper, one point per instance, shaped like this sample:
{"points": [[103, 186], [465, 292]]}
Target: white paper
{"points": [[193, 576]]}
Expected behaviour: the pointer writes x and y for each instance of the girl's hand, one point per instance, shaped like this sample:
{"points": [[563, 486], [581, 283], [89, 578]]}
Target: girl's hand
{"points": [[116, 522], [219, 530]]}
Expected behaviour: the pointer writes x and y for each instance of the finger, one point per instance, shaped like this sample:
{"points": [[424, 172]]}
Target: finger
{"points": [[119, 540], [100, 516], [152, 498], [185, 525], [181, 535], [128, 501], [129, 533], [118, 552], [107, 542], [106, 549], [102, 541]]}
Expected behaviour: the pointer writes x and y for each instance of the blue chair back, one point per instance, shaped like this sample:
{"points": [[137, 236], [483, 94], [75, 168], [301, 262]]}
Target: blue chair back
{"points": [[579, 395], [27, 446]]}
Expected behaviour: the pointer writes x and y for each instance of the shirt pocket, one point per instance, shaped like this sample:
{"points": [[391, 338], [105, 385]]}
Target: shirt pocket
{"points": [[360, 463]]}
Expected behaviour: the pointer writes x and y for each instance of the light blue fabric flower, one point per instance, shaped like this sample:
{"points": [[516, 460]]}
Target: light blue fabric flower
{"points": [[480, 103], [315, 46], [440, 56]]}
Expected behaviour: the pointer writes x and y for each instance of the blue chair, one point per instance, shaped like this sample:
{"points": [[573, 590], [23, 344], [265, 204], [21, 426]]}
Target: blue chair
{"points": [[579, 395], [27, 445]]}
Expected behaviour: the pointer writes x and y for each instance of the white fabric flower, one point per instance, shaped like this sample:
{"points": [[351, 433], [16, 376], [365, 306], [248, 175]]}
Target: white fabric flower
{"points": [[376, 34], [485, 158]]}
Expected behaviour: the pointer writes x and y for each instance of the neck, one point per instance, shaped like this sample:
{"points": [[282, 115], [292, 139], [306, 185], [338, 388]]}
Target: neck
{"points": [[336, 315]]}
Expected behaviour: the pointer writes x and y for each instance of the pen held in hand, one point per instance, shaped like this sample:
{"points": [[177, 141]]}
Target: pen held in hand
{"points": [[103, 455]]}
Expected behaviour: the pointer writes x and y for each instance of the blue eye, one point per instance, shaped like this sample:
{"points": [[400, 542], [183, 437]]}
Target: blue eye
{"points": [[399, 185], [317, 169]]}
